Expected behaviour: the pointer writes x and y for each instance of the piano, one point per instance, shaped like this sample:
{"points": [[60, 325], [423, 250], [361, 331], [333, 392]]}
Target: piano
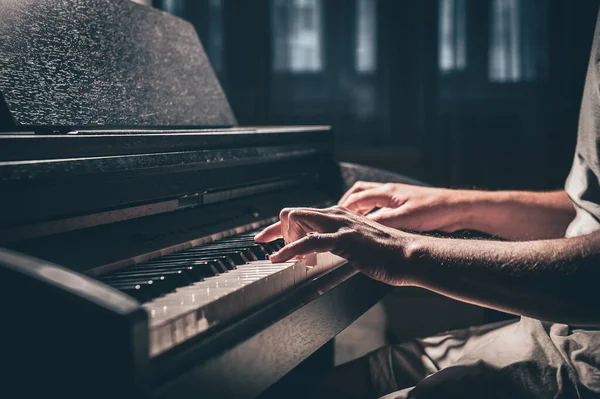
{"points": [[129, 200]]}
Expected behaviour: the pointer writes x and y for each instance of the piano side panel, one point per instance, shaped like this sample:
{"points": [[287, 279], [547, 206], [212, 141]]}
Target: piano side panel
{"points": [[66, 335]]}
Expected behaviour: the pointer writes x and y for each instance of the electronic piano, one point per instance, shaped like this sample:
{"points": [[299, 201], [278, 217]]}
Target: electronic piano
{"points": [[129, 201]]}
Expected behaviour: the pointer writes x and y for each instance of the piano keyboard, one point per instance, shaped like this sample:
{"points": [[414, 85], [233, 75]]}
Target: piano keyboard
{"points": [[187, 292]]}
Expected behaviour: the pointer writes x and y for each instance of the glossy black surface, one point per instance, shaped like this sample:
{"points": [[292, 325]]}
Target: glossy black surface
{"points": [[79, 175], [103, 63], [22, 147], [69, 332]]}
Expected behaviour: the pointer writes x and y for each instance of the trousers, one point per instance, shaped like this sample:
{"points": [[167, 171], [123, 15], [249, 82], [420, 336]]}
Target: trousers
{"points": [[521, 358]]}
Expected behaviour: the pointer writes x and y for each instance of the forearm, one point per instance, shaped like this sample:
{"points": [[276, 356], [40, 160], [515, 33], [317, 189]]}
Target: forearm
{"points": [[554, 280], [518, 215]]}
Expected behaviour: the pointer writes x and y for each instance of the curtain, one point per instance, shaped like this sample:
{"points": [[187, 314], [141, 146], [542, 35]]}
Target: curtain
{"points": [[518, 40], [297, 35], [452, 46], [365, 59]]}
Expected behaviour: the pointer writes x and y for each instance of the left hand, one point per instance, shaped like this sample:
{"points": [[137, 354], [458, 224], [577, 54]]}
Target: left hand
{"points": [[378, 251], [409, 207]]}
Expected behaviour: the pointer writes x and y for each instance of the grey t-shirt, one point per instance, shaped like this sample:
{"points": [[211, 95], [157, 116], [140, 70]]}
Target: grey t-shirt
{"points": [[580, 347], [583, 183]]}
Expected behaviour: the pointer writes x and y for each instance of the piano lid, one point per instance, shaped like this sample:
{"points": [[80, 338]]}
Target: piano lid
{"points": [[103, 64]]}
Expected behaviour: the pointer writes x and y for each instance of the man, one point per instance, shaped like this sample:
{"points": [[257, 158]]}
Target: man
{"points": [[546, 270]]}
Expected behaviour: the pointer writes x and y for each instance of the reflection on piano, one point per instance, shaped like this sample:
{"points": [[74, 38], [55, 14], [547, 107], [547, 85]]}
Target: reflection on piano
{"points": [[129, 203]]}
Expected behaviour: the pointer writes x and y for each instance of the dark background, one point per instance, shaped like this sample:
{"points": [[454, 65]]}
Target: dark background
{"points": [[461, 93]]}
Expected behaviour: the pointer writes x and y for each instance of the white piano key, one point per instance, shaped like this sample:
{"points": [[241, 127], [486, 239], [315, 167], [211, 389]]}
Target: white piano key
{"points": [[154, 342], [300, 273], [165, 340], [180, 315]]}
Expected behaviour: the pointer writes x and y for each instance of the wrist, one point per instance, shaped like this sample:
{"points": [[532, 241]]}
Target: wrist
{"points": [[469, 206], [415, 249]]}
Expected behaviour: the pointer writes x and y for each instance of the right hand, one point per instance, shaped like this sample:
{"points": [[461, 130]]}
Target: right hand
{"points": [[405, 206], [381, 252]]}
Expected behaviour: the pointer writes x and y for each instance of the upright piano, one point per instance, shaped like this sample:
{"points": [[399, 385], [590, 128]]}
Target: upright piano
{"points": [[129, 197]]}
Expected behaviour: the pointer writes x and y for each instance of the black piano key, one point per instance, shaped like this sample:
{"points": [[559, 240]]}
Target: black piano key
{"points": [[198, 269], [195, 272], [249, 249], [141, 292], [230, 259], [271, 247], [176, 278], [159, 285], [256, 252], [232, 243], [221, 263], [221, 250], [209, 265], [224, 264], [217, 263], [278, 244]]}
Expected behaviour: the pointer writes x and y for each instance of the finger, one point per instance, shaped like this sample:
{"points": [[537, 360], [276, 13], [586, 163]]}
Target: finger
{"points": [[283, 218], [303, 221], [312, 219], [383, 215], [357, 187], [309, 244], [365, 201], [269, 234]]}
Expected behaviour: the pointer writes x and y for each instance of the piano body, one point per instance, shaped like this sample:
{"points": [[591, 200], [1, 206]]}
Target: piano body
{"points": [[129, 198]]}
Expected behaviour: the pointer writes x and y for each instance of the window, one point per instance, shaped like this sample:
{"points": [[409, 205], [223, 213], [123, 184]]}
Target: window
{"points": [[297, 35], [452, 50], [365, 59], [518, 46]]}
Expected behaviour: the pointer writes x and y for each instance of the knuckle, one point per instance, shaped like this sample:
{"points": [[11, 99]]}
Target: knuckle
{"points": [[313, 237], [345, 235], [375, 217], [338, 209], [284, 212], [388, 187]]}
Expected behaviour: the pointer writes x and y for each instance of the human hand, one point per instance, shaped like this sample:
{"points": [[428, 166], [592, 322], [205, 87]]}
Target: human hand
{"points": [[405, 206], [378, 251]]}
